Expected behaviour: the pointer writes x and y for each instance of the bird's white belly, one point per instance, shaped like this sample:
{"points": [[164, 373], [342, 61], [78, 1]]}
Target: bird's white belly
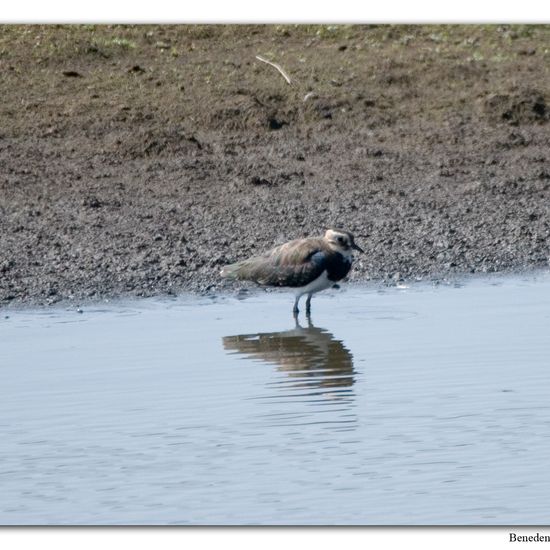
{"points": [[321, 283]]}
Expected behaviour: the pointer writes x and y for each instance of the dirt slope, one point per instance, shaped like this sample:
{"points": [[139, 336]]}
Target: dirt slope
{"points": [[136, 160]]}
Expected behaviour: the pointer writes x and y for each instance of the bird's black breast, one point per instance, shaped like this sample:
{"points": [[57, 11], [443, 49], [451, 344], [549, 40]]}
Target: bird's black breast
{"points": [[337, 266]]}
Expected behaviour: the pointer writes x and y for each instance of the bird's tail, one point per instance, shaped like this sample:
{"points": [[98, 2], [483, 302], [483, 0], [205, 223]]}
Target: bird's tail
{"points": [[231, 271]]}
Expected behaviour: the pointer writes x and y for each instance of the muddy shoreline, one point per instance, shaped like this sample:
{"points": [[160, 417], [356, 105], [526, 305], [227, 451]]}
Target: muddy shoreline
{"points": [[137, 160]]}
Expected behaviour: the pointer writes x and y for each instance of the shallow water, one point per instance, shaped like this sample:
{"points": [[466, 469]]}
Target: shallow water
{"points": [[420, 405]]}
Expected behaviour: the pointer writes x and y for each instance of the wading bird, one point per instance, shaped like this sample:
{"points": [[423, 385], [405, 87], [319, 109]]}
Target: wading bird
{"points": [[308, 265]]}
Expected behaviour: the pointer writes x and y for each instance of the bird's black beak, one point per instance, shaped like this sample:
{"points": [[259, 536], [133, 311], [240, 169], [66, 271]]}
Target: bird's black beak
{"points": [[357, 247]]}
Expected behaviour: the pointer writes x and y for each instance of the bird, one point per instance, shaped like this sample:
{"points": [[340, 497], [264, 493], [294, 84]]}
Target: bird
{"points": [[309, 265]]}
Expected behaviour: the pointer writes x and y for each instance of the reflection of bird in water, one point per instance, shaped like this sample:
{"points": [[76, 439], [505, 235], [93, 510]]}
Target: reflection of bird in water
{"points": [[310, 355]]}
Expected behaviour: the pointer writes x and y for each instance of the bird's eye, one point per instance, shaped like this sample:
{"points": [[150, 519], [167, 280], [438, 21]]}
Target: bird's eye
{"points": [[340, 239]]}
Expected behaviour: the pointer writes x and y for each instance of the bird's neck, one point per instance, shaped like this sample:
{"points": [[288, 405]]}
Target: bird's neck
{"points": [[347, 254]]}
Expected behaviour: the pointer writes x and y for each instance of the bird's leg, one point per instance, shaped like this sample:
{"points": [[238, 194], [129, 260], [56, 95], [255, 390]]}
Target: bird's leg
{"points": [[308, 304], [295, 309]]}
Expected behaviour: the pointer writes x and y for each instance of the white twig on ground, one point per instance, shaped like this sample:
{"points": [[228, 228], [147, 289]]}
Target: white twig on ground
{"points": [[278, 67]]}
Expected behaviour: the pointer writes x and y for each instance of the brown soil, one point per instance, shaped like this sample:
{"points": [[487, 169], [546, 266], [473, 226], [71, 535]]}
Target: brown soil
{"points": [[137, 160]]}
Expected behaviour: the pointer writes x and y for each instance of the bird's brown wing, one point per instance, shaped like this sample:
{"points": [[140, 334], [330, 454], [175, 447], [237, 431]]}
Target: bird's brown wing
{"points": [[294, 264]]}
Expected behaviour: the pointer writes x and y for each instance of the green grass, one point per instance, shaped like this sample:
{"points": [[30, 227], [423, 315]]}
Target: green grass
{"points": [[70, 40]]}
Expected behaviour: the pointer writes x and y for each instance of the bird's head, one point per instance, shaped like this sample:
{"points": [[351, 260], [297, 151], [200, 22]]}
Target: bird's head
{"points": [[341, 241]]}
